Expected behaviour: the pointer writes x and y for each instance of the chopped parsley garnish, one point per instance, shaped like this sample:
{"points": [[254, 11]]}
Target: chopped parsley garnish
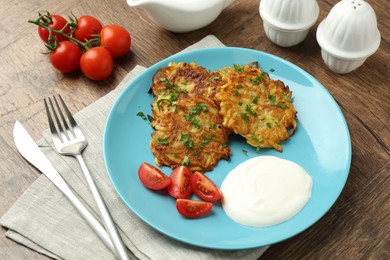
{"points": [[162, 140], [141, 115], [184, 137], [259, 140], [281, 105], [272, 99], [245, 116], [166, 83], [173, 96], [186, 161], [207, 140], [245, 152], [189, 144], [268, 124], [257, 79], [199, 108], [238, 68], [250, 111], [255, 100], [195, 121], [196, 111], [271, 69], [239, 86], [163, 100]]}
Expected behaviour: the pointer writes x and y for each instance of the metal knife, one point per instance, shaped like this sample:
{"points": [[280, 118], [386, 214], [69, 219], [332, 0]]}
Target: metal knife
{"points": [[32, 153]]}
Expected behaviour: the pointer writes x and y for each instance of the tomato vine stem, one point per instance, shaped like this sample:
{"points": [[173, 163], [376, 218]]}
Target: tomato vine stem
{"points": [[44, 20]]}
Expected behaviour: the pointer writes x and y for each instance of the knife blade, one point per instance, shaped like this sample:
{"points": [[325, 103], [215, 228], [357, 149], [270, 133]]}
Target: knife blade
{"points": [[32, 153]]}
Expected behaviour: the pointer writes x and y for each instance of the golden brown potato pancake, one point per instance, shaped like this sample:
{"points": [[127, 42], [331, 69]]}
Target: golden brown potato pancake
{"points": [[181, 80], [194, 111], [190, 131], [256, 107]]}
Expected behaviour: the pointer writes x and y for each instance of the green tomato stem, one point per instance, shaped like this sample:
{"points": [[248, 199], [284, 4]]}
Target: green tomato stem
{"points": [[43, 20]]}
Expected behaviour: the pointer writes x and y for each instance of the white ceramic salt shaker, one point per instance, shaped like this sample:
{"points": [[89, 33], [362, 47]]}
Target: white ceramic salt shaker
{"points": [[287, 22], [348, 35]]}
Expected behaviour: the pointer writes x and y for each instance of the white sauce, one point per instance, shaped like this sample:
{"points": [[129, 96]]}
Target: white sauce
{"points": [[265, 191]]}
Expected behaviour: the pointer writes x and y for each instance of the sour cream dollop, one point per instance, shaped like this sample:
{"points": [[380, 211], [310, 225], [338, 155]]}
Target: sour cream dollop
{"points": [[265, 191]]}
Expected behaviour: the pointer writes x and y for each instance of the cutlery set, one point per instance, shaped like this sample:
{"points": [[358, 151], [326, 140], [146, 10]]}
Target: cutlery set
{"points": [[69, 140]]}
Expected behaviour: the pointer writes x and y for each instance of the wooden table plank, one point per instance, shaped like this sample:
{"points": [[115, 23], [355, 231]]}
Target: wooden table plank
{"points": [[356, 227]]}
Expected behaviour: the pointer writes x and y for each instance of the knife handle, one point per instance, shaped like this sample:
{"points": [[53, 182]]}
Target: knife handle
{"points": [[85, 213]]}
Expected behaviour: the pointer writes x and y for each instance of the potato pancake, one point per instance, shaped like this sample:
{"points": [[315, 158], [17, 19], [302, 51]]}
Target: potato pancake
{"points": [[190, 131], [195, 110], [181, 80], [256, 107]]}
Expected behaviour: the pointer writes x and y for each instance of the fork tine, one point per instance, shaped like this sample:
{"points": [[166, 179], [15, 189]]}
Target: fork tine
{"points": [[61, 132], [65, 123], [53, 129], [68, 114]]}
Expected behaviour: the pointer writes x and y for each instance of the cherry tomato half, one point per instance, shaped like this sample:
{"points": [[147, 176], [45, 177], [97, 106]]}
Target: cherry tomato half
{"points": [[193, 208], [205, 188], [88, 27], [116, 39], [96, 63], [152, 177], [180, 187], [66, 57], [57, 23]]}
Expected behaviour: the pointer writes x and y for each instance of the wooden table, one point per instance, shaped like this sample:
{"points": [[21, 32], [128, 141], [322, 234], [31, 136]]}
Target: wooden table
{"points": [[356, 227]]}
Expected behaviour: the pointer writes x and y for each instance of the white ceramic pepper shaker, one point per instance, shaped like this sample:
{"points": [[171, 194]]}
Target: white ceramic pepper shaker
{"points": [[287, 22], [348, 35]]}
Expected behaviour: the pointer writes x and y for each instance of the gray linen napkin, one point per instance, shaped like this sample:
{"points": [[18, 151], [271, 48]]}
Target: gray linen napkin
{"points": [[44, 220]]}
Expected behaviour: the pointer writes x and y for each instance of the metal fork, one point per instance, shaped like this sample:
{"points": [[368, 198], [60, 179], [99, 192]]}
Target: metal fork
{"points": [[69, 140]]}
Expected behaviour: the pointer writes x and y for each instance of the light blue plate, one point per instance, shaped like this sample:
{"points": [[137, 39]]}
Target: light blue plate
{"points": [[321, 145]]}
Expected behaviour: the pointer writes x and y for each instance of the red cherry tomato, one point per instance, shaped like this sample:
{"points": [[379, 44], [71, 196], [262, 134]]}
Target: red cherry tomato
{"points": [[152, 177], [205, 188], [180, 187], [66, 57], [116, 39], [96, 63], [193, 208], [57, 23], [87, 28]]}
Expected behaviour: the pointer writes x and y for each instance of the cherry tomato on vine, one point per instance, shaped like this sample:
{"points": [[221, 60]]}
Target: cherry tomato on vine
{"points": [[96, 63], [66, 57], [193, 208], [116, 39], [152, 177], [57, 23], [87, 28]]}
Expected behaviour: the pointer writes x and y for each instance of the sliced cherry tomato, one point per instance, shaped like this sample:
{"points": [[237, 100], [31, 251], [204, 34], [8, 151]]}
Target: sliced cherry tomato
{"points": [[193, 208], [66, 57], [205, 188], [87, 28], [152, 177], [57, 23], [180, 187], [96, 63], [116, 39]]}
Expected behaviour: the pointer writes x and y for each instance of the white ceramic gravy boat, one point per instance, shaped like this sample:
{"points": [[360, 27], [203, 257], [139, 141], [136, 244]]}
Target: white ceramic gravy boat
{"points": [[182, 15]]}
